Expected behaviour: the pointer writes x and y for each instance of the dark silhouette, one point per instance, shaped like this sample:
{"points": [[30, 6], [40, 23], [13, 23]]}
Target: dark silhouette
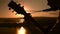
{"points": [[17, 7], [27, 16], [54, 4]]}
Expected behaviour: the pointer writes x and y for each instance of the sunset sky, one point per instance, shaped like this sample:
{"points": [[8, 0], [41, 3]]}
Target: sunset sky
{"points": [[33, 5]]}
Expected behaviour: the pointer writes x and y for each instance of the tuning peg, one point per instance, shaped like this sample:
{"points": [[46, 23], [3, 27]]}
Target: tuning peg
{"points": [[16, 14], [19, 4], [12, 11], [22, 6], [9, 8]]}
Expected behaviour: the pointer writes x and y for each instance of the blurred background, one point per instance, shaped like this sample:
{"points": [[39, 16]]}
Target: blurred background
{"points": [[34, 7]]}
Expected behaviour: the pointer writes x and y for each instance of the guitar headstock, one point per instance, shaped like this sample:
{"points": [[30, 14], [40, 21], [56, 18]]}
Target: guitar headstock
{"points": [[17, 7]]}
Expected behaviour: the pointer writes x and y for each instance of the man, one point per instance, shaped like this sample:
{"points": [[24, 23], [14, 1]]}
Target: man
{"points": [[54, 4]]}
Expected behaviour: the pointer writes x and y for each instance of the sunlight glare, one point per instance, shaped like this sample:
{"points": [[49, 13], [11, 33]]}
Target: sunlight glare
{"points": [[20, 21], [19, 15], [22, 30], [26, 9]]}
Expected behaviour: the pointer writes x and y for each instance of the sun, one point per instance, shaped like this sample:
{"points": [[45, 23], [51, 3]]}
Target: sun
{"points": [[20, 15]]}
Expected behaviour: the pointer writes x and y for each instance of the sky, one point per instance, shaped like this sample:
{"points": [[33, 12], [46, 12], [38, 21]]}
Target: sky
{"points": [[33, 5]]}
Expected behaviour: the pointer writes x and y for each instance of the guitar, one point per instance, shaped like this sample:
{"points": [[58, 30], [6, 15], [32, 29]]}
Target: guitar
{"points": [[27, 16]]}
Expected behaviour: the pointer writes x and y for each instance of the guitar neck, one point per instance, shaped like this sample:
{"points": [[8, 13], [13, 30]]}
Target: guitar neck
{"points": [[29, 19]]}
